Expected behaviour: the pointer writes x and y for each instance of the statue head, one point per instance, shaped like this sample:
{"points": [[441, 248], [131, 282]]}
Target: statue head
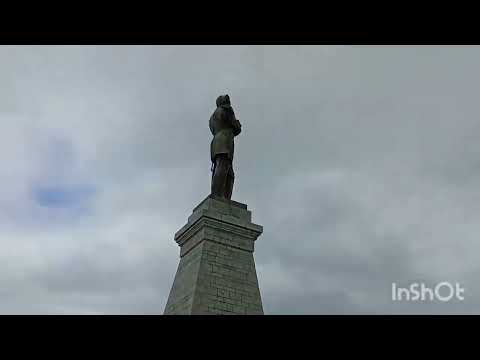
{"points": [[223, 100]]}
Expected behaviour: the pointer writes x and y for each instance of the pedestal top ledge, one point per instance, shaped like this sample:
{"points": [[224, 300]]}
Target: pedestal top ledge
{"points": [[228, 211]]}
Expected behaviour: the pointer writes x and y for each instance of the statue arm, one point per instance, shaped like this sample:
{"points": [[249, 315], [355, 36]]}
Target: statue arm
{"points": [[237, 127]]}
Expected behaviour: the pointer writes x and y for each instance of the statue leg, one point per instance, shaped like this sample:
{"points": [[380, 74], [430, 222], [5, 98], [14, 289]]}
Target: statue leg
{"points": [[219, 178], [229, 182]]}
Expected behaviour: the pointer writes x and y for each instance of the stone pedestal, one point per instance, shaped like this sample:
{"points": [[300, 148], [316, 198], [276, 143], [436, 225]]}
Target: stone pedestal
{"points": [[216, 274]]}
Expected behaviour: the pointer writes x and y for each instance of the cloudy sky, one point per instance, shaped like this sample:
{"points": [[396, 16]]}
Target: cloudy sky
{"points": [[362, 163]]}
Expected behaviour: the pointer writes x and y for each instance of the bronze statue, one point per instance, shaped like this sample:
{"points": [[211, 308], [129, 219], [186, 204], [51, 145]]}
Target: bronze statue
{"points": [[224, 127]]}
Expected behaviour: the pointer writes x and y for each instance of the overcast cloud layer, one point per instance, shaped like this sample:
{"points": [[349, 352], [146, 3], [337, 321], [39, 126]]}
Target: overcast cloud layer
{"points": [[362, 164]]}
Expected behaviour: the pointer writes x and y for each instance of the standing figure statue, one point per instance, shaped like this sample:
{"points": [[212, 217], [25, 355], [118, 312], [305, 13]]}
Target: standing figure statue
{"points": [[224, 127]]}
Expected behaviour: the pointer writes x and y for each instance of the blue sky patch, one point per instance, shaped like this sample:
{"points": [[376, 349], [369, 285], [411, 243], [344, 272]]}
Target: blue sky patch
{"points": [[63, 196]]}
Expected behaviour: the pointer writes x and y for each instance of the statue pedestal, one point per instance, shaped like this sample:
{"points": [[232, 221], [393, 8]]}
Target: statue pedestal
{"points": [[216, 274]]}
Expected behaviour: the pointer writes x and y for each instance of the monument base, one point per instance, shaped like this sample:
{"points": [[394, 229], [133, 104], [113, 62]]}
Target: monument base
{"points": [[216, 274]]}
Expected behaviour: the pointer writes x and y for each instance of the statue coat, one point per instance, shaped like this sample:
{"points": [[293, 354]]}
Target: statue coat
{"points": [[224, 127]]}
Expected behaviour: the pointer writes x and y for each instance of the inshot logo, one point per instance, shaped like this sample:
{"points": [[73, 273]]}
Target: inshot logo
{"points": [[443, 291]]}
